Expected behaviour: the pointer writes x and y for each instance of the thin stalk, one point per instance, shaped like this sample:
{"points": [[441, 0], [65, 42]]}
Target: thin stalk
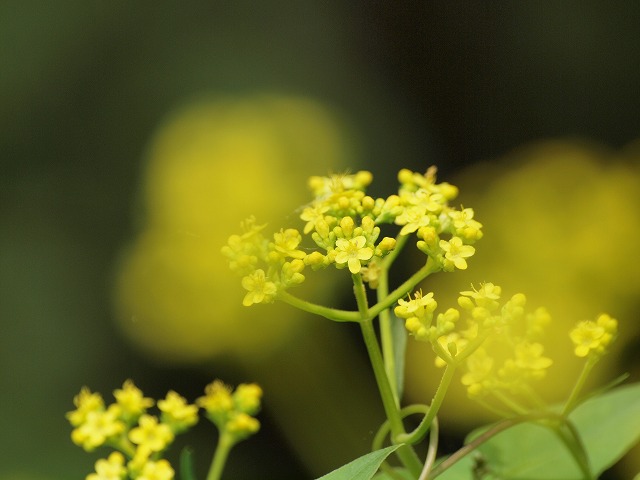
{"points": [[406, 454], [327, 312], [385, 319], [421, 430], [471, 446], [432, 452], [577, 388], [225, 442]]}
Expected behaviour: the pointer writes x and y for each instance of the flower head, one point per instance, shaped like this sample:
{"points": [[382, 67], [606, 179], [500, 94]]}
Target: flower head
{"points": [[159, 470], [352, 252], [112, 468], [151, 434], [177, 413], [98, 427], [456, 253], [131, 401], [591, 337], [260, 289]]}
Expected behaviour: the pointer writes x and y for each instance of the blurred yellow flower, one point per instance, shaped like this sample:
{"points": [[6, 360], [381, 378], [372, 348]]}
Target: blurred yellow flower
{"points": [[211, 166]]}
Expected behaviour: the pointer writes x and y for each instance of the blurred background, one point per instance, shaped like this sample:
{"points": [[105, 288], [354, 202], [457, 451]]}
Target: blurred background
{"points": [[135, 136]]}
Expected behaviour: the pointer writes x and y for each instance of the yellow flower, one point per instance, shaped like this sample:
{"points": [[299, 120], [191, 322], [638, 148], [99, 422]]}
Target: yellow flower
{"points": [[110, 469], [479, 366], [247, 398], [593, 337], [413, 218], [160, 470], [217, 401], [150, 434], [242, 425], [352, 252], [455, 253], [131, 400], [528, 357], [260, 289], [177, 413], [85, 402], [98, 428], [420, 306], [285, 244]]}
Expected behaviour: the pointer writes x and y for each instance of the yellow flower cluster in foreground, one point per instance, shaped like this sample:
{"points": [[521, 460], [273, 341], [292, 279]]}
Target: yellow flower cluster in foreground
{"points": [[140, 439]]}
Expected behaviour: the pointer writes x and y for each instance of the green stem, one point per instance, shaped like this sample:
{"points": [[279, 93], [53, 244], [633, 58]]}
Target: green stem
{"points": [[471, 446], [430, 267], [225, 442], [327, 312], [577, 388], [432, 452], [406, 454], [386, 328], [421, 430]]}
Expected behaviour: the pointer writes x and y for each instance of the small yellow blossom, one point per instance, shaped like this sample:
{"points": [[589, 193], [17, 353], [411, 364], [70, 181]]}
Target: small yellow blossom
{"points": [[286, 244], [419, 306], [455, 253], [150, 434], [312, 215], [85, 402], [177, 413], [528, 358], [479, 366], [413, 218], [464, 224], [247, 398], [131, 401], [110, 469], [98, 428], [242, 425], [593, 337], [352, 252], [217, 402], [159, 470], [260, 290]]}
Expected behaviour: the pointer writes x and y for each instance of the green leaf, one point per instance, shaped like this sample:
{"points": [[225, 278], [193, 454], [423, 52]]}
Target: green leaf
{"points": [[186, 464], [399, 473], [363, 468], [609, 425], [461, 470], [399, 333]]}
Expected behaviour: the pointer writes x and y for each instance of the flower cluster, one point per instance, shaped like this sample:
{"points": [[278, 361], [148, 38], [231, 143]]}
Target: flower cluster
{"points": [[343, 226], [138, 438], [592, 338], [499, 347], [232, 411]]}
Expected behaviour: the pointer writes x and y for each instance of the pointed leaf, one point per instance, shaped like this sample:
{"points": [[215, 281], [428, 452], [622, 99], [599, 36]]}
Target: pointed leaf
{"points": [[363, 468], [186, 464]]}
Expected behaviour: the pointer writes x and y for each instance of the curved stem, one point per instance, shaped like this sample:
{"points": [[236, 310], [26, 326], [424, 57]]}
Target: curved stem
{"points": [[327, 312], [421, 430], [432, 451]]}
